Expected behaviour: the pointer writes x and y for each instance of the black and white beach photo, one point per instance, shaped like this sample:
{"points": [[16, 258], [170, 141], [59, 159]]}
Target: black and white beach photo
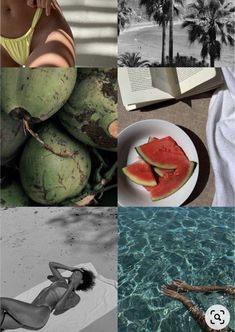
{"points": [[182, 33], [45, 254]]}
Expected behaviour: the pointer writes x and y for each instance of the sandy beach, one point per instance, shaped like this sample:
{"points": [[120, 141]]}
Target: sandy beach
{"points": [[31, 237], [147, 38]]}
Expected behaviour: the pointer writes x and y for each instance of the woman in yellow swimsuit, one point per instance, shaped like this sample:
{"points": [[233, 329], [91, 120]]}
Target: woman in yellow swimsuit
{"points": [[59, 297], [34, 33]]}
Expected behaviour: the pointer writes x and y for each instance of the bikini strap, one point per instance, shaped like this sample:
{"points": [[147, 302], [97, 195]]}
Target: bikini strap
{"points": [[36, 17]]}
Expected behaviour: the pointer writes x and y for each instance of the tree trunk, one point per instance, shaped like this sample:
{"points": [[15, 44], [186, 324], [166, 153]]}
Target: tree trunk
{"points": [[212, 61], [171, 33], [163, 42]]}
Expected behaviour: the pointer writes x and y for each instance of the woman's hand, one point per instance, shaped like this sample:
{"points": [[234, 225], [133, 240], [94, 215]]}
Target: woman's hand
{"points": [[46, 4]]}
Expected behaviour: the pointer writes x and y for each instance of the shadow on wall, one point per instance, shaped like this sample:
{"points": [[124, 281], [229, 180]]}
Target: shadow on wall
{"points": [[94, 27]]}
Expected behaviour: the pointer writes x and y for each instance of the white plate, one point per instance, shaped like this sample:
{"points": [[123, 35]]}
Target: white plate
{"points": [[131, 194]]}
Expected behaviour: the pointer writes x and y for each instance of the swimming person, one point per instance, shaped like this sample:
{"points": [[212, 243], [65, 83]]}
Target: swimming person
{"points": [[59, 297], [175, 290], [31, 37]]}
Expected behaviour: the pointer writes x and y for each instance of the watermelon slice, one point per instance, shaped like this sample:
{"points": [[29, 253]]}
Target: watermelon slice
{"points": [[172, 180], [141, 173], [170, 142], [158, 171], [162, 153]]}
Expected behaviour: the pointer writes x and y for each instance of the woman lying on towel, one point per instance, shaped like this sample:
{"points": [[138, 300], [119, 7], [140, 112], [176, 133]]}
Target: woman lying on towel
{"points": [[59, 297], [34, 33], [177, 287]]}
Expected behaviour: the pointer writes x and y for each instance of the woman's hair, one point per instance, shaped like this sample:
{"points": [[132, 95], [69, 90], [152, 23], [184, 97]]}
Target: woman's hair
{"points": [[88, 278]]}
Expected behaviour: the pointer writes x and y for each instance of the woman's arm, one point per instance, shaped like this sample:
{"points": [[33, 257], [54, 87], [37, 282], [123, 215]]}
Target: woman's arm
{"points": [[182, 286], [68, 300], [56, 274], [196, 313]]}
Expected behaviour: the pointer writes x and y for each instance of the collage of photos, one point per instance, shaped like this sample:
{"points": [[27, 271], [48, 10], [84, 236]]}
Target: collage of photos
{"points": [[117, 186]]}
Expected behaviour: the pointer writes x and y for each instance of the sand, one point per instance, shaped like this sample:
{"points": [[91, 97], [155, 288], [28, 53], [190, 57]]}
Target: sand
{"points": [[147, 39], [31, 237]]}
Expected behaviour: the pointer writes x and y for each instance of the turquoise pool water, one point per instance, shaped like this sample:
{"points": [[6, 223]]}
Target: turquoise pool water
{"points": [[157, 245]]}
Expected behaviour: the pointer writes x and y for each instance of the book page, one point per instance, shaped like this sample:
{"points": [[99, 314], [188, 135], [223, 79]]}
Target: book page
{"points": [[213, 83], [166, 80], [136, 87], [189, 78], [140, 80]]}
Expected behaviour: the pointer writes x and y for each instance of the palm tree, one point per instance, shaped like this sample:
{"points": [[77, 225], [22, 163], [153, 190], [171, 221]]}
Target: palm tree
{"points": [[124, 14], [162, 11], [212, 25], [158, 11], [132, 60], [175, 7]]}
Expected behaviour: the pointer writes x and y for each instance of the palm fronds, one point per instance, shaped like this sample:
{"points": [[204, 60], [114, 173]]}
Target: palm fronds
{"points": [[212, 24], [132, 60]]}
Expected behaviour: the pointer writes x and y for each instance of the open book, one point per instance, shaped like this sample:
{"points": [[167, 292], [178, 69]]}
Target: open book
{"points": [[140, 87]]}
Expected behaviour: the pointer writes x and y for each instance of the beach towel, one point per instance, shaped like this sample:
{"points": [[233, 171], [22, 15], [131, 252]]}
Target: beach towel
{"points": [[221, 140], [93, 304]]}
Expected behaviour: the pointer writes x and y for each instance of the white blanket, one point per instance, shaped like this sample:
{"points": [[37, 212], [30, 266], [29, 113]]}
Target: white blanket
{"points": [[93, 305], [221, 140]]}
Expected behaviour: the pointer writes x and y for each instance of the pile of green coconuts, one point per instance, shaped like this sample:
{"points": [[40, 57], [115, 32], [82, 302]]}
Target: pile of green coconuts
{"points": [[58, 137]]}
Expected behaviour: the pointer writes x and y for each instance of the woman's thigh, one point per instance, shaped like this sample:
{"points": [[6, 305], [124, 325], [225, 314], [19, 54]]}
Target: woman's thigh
{"points": [[25, 314], [52, 44], [10, 323], [6, 60]]}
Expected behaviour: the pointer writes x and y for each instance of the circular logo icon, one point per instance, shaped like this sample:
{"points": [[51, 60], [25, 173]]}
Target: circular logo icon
{"points": [[217, 317]]}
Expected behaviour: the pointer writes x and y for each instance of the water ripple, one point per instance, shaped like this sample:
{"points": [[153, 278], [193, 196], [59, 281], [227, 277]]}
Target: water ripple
{"points": [[157, 245]]}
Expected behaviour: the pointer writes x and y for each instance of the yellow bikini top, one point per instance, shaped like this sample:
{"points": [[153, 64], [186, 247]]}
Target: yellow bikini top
{"points": [[19, 48]]}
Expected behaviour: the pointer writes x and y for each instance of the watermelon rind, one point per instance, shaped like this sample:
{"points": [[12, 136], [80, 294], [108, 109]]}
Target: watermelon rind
{"points": [[158, 171], [137, 180], [151, 162], [187, 177], [151, 138]]}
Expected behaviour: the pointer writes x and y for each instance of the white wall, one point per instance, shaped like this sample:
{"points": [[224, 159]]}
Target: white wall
{"points": [[94, 26]]}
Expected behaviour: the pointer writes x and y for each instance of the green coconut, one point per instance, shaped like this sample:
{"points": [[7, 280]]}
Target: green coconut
{"points": [[90, 114], [49, 178], [12, 137], [13, 195], [35, 94]]}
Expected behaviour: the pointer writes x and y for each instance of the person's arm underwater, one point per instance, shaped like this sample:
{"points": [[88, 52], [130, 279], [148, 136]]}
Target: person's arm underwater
{"points": [[182, 286], [196, 313]]}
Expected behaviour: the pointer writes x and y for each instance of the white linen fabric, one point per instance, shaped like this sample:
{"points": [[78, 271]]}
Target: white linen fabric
{"points": [[221, 140], [93, 304]]}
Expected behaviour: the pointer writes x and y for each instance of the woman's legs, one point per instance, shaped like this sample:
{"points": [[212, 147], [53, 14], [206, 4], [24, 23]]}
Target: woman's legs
{"points": [[21, 314], [5, 59]]}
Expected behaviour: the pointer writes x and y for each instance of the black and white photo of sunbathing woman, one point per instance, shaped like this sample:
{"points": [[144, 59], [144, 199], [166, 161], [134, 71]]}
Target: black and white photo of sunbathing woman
{"points": [[57, 298]]}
